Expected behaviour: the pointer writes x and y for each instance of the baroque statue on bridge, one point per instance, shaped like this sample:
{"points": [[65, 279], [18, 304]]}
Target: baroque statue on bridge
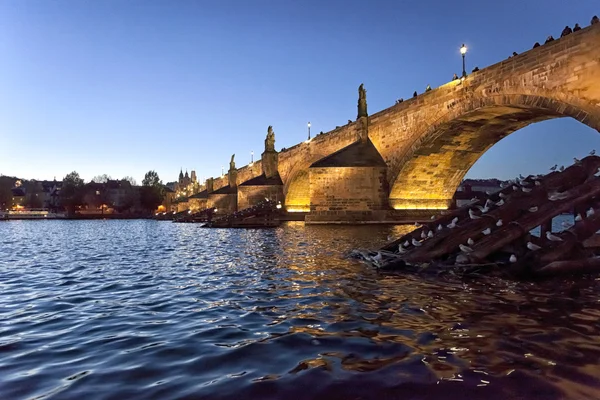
{"points": [[362, 102], [270, 140], [232, 163]]}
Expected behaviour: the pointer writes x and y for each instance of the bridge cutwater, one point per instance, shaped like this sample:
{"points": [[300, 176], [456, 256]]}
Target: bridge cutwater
{"points": [[403, 162]]}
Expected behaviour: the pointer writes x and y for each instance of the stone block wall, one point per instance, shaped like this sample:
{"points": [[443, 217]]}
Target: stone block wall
{"points": [[182, 206], [249, 196], [348, 189], [224, 203], [197, 204]]}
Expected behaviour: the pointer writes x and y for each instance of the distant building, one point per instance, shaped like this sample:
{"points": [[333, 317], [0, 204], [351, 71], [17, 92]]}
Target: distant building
{"points": [[169, 203], [19, 193], [120, 193], [51, 194], [171, 185]]}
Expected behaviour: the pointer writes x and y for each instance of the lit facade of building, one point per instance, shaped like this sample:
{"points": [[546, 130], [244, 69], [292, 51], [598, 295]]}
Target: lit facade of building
{"points": [[187, 185]]}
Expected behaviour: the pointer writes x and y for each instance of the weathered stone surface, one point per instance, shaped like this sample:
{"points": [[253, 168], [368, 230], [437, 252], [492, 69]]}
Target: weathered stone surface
{"points": [[270, 163], [249, 196], [256, 190], [348, 188], [224, 200]]}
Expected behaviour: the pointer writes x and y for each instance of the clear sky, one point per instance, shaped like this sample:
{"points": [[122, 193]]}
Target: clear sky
{"points": [[124, 86]]}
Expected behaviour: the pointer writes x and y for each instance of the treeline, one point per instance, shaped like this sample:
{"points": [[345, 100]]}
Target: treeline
{"points": [[75, 193]]}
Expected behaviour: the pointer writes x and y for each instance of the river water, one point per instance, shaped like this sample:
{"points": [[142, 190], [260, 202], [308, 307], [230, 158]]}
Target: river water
{"points": [[156, 310]]}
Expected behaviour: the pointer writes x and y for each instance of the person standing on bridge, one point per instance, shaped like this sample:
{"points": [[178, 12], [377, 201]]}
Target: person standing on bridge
{"points": [[595, 20], [428, 88], [576, 28]]}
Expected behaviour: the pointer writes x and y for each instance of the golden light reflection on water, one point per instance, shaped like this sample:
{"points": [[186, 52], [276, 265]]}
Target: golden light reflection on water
{"points": [[462, 330]]}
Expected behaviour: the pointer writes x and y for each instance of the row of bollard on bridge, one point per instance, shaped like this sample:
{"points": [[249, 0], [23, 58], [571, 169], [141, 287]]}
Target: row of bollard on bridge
{"points": [[496, 235], [263, 215]]}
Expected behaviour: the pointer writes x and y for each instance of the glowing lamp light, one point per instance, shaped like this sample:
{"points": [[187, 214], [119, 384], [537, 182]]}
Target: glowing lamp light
{"points": [[463, 51], [216, 209], [190, 211], [278, 206]]}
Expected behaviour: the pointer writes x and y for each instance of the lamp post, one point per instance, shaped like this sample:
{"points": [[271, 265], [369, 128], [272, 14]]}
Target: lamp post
{"points": [[251, 157], [309, 130], [222, 171], [463, 51]]}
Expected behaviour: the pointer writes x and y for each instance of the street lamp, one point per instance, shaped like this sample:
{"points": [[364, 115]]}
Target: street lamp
{"points": [[463, 51], [251, 157], [222, 171], [309, 130]]}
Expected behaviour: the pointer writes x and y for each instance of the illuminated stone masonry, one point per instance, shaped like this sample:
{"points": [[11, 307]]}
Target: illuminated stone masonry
{"points": [[426, 145]]}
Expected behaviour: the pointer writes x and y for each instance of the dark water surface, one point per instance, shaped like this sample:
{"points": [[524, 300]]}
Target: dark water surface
{"points": [[145, 309]]}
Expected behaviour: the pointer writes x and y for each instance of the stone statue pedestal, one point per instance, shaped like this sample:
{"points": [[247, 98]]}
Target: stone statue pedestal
{"points": [[363, 129], [232, 175], [210, 185], [270, 161]]}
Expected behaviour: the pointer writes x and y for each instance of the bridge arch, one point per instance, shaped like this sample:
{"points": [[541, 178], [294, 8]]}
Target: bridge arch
{"points": [[427, 172]]}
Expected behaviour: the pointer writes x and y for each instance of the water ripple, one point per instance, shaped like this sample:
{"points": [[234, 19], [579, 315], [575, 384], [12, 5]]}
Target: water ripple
{"points": [[146, 309]]}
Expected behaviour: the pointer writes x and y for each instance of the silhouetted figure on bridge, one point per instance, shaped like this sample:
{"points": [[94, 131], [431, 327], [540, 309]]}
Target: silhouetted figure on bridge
{"points": [[415, 94], [475, 69], [428, 88], [515, 54], [400, 100], [576, 28], [455, 77], [536, 44], [595, 20], [549, 39], [566, 31]]}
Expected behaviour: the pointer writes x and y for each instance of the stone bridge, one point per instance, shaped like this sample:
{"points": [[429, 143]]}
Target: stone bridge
{"points": [[413, 155]]}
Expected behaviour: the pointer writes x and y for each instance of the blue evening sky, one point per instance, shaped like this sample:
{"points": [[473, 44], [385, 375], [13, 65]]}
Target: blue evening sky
{"points": [[124, 86]]}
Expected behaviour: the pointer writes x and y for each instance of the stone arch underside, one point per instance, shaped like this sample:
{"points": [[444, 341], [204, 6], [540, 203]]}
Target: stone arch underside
{"points": [[432, 170], [297, 196]]}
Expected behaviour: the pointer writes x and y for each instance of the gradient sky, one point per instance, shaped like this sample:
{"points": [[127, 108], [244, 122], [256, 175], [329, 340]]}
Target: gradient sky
{"points": [[121, 86]]}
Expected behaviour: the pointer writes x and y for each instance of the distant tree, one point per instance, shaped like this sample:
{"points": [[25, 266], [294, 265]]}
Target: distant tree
{"points": [[73, 179], [72, 192], [33, 200], [151, 179], [6, 183], [131, 181], [152, 191], [101, 178]]}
